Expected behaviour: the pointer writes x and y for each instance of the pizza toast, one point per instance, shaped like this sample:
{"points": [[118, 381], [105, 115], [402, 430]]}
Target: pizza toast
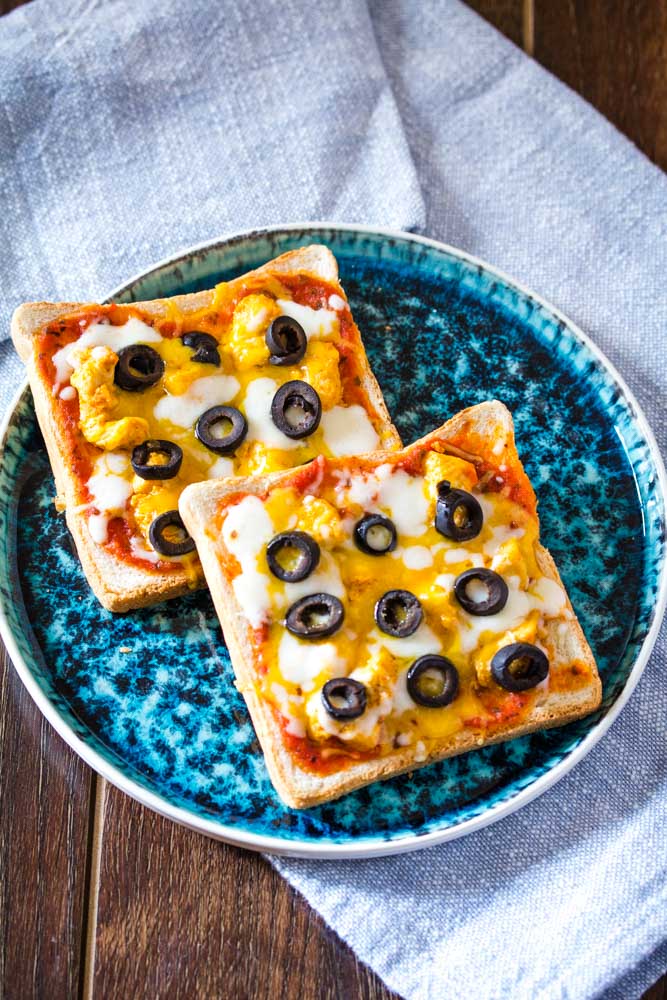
{"points": [[174, 376], [508, 668]]}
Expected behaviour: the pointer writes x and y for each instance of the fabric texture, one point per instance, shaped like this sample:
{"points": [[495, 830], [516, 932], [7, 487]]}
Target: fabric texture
{"points": [[130, 130]]}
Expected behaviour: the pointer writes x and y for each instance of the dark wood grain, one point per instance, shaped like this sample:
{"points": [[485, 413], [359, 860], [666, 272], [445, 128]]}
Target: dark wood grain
{"points": [[613, 53], [505, 15], [44, 812], [183, 916]]}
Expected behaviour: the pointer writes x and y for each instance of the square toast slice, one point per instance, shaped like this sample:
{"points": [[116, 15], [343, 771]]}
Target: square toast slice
{"points": [[96, 410], [346, 678]]}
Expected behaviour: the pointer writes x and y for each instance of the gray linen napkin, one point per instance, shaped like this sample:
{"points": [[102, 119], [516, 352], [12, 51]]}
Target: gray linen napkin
{"points": [[567, 898]]}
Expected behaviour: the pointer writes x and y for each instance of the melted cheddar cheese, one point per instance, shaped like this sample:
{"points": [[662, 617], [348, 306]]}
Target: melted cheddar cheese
{"points": [[424, 562], [79, 355]]}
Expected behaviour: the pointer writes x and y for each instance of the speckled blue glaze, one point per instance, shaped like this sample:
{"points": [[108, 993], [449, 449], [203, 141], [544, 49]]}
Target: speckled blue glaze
{"points": [[152, 690]]}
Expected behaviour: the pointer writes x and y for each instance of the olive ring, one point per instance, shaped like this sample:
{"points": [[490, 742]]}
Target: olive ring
{"points": [[458, 514], [205, 347], [519, 666], [138, 367], [315, 616], [141, 459], [398, 613], [296, 409], [159, 541], [286, 341], [227, 443], [308, 555], [496, 592], [432, 663], [344, 698]]}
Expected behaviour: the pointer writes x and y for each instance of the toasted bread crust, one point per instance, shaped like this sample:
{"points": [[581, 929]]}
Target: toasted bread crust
{"points": [[117, 584], [300, 788]]}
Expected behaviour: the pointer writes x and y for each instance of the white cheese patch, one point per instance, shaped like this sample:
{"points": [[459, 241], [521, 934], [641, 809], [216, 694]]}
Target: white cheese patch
{"points": [[348, 430], [336, 302], [221, 468], [69, 392], [393, 492], [315, 322], [246, 530], [110, 490], [102, 334], [141, 551], [294, 726], [500, 534], [463, 555], [417, 557], [405, 499], [301, 662], [184, 410], [325, 580], [257, 407], [257, 320], [421, 642]]}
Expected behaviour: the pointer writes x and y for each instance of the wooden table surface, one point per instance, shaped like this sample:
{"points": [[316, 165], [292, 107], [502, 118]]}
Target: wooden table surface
{"points": [[101, 896]]}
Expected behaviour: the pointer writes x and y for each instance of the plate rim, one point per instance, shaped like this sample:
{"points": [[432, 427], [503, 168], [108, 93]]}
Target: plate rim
{"points": [[363, 847]]}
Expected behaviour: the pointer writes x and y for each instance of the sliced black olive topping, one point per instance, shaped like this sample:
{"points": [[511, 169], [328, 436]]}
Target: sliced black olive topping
{"points": [[375, 534], [519, 666], [398, 613], [344, 698], [296, 409], [286, 341], [168, 535], [481, 591], [315, 616], [458, 514], [147, 469], [433, 681], [292, 555], [221, 429], [205, 347], [138, 367]]}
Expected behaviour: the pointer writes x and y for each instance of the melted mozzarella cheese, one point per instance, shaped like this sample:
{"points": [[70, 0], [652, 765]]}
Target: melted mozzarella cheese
{"points": [[201, 395], [325, 580], [393, 492], [301, 662], [246, 531], [347, 430], [421, 642], [110, 489], [102, 334], [315, 322], [221, 468], [416, 557], [336, 302], [547, 597], [257, 406], [285, 703]]}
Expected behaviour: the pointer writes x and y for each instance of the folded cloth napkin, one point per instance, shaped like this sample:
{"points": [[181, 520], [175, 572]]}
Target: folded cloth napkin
{"points": [[127, 130]]}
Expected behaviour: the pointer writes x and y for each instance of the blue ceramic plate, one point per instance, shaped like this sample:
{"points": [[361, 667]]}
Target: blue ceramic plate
{"points": [[147, 697]]}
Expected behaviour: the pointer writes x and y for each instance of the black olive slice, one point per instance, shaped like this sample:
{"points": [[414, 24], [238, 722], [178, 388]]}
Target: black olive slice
{"points": [[458, 514], [157, 534], [433, 681], [221, 429], [138, 367], [286, 341], [205, 347], [344, 698], [292, 555], [491, 589], [375, 534], [315, 616], [519, 666], [144, 467], [296, 409], [398, 613]]}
